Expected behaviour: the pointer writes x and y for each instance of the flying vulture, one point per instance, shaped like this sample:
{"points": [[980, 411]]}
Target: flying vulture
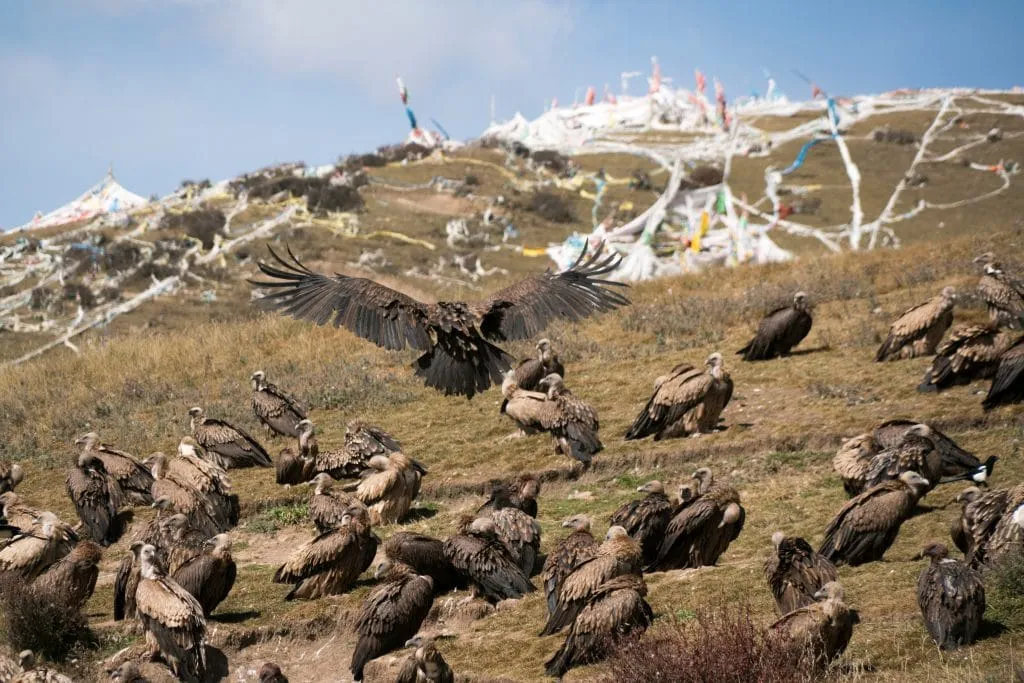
{"points": [[327, 506], [484, 562], [524, 498], [780, 331], [277, 410], [795, 572], [458, 357], [821, 630], [209, 576], [425, 555], [867, 524], [390, 490], [685, 401], [972, 352], [520, 534], [10, 475], [226, 445], [362, 442], [951, 597], [1002, 293], [172, 619], [576, 548], [391, 615], [330, 563], [645, 518], [96, 496], [919, 330], [271, 673], [1008, 384], [131, 475], [425, 664], [572, 423], [72, 579]]}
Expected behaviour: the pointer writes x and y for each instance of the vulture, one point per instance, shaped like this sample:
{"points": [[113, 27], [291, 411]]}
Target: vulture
{"points": [[391, 615], [645, 518], [981, 515], [867, 524], [972, 352], [271, 673], [853, 460], [15, 512], [327, 506], [821, 630], [524, 499], [780, 331], [131, 475], [951, 597], [619, 555], [960, 528], [362, 442], [617, 609], [916, 452], [96, 496], [226, 445], [1008, 383], [425, 664], [206, 477], [796, 573], [209, 576], [298, 466], [72, 579], [957, 463], [1002, 293], [520, 534], [37, 547], [10, 475], [1008, 532], [531, 371], [701, 529], [455, 338], [277, 410], [572, 423], [426, 556], [485, 563], [31, 672], [330, 563], [128, 672], [204, 513], [576, 548], [388, 492], [172, 619], [919, 330], [685, 401]]}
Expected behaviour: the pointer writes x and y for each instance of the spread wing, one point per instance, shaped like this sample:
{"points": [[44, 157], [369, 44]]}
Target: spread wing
{"points": [[378, 486]]}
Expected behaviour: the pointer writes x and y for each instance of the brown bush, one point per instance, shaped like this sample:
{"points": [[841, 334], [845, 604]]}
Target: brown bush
{"points": [[43, 623], [320, 194], [551, 207], [202, 225]]}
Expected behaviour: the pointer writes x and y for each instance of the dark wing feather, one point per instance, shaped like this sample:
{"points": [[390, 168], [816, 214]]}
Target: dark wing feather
{"points": [[1008, 384]]}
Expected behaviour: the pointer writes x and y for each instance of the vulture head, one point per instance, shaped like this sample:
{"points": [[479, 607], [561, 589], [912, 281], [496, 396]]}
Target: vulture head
{"points": [[553, 383], [322, 482], [88, 441], [800, 301], [358, 512], [150, 563], [831, 593], [546, 352], [949, 293], [163, 503], [937, 552], [271, 673], [379, 462], [968, 495], [704, 479], [915, 481], [921, 429], [306, 427], [27, 660], [17, 474], [529, 487], [688, 491], [219, 544], [482, 526], [49, 522], [715, 364], [85, 555], [157, 464], [777, 538], [508, 384], [615, 532], [384, 569], [652, 487], [127, 673], [985, 258], [577, 523], [416, 641], [257, 380], [196, 413]]}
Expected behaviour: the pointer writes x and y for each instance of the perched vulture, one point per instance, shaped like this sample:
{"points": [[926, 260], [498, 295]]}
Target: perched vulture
{"points": [[362, 442], [330, 563], [867, 524], [853, 461], [37, 547], [645, 519], [389, 491], [951, 597], [327, 506], [391, 615], [971, 353], [277, 410], [271, 673], [1008, 384], [209, 576], [298, 466], [128, 672], [957, 464], [796, 573], [701, 530], [960, 528], [172, 619], [572, 423], [916, 452], [72, 579], [206, 477], [226, 445], [10, 475], [131, 475], [531, 371], [425, 664], [520, 534], [821, 630], [524, 499], [425, 555], [1008, 533], [17, 513], [483, 561], [780, 331], [458, 357], [31, 672], [982, 513], [96, 496], [1002, 293], [202, 510], [685, 401], [571, 551], [919, 330], [619, 555], [617, 609]]}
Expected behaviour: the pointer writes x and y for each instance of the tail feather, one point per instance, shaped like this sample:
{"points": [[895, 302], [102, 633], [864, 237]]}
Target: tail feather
{"points": [[462, 368], [643, 425]]}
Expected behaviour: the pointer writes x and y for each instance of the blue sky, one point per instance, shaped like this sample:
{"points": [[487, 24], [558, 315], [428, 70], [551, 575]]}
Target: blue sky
{"points": [[174, 89]]}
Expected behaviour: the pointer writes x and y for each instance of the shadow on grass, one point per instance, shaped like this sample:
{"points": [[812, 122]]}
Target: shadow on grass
{"points": [[235, 617], [417, 514]]}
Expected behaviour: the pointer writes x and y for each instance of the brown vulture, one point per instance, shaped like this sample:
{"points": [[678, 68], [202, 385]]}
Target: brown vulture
{"points": [[616, 609], [277, 410], [209, 576], [957, 464], [271, 673], [520, 534], [959, 528], [701, 529], [390, 490], [33, 672], [298, 465], [38, 545], [330, 563], [1002, 293], [822, 630], [795, 572], [524, 498], [982, 513], [425, 555], [190, 469], [455, 337], [919, 330], [96, 496], [853, 461], [780, 331], [225, 445], [131, 475], [572, 423], [1008, 383], [1008, 533], [204, 513], [576, 548], [972, 352], [10, 475], [618, 555], [951, 597], [531, 371], [128, 672], [16, 512], [172, 619], [867, 524], [916, 452], [362, 442], [645, 518], [483, 561], [685, 401], [425, 664], [72, 579], [328, 506], [391, 615]]}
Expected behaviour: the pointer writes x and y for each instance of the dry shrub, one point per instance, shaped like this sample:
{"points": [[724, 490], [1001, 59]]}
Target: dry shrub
{"points": [[551, 160], [721, 645], [357, 162], [43, 623], [321, 196], [202, 224], [551, 207]]}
